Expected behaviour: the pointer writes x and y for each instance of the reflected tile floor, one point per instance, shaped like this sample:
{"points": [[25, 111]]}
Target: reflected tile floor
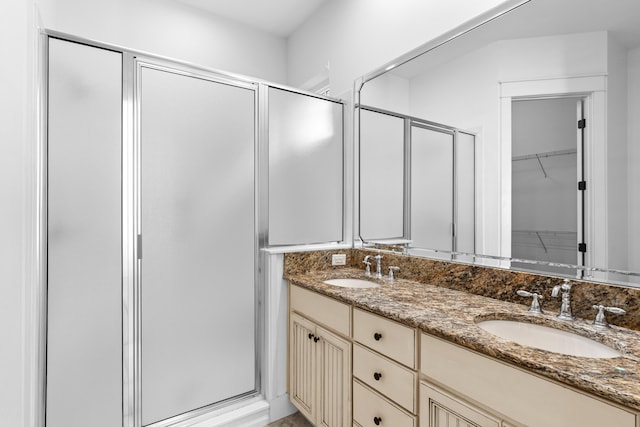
{"points": [[295, 420]]}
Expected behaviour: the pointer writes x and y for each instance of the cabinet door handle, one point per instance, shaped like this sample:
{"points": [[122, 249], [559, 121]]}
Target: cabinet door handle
{"points": [[377, 376], [316, 339], [311, 336], [377, 420], [377, 336]]}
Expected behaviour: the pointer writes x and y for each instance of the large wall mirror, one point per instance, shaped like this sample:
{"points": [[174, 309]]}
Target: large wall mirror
{"points": [[545, 95]]}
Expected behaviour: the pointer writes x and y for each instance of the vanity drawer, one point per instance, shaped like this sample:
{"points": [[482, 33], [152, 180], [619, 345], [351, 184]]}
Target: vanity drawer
{"points": [[324, 310], [369, 406], [385, 336], [394, 381]]}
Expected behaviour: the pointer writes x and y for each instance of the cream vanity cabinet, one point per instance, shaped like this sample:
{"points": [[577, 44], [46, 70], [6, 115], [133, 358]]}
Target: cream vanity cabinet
{"points": [[396, 381], [497, 388], [320, 357]]}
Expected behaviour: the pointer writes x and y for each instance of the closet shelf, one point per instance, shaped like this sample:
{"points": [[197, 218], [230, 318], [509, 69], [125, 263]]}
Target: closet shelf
{"points": [[547, 239]]}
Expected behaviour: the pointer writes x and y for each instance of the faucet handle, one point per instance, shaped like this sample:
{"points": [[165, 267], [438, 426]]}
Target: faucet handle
{"points": [[535, 303], [600, 320], [392, 270], [366, 262], [565, 287]]}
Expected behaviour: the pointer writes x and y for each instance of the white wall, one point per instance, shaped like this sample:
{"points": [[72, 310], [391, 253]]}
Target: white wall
{"points": [[617, 195], [172, 29], [389, 92], [357, 36], [16, 103]]}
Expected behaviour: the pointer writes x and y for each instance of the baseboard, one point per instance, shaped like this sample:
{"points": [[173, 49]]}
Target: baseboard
{"points": [[280, 407]]}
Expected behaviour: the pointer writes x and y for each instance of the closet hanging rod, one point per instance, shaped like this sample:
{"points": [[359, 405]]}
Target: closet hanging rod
{"points": [[548, 232], [545, 154]]}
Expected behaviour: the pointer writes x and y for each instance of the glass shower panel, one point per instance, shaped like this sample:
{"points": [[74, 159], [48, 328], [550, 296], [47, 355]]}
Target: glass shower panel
{"points": [[465, 192], [431, 188], [305, 169], [197, 290], [381, 176], [84, 258]]}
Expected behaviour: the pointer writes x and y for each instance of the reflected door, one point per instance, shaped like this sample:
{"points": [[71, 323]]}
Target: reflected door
{"points": [[431, 188], [546, 166], [197, 224]]}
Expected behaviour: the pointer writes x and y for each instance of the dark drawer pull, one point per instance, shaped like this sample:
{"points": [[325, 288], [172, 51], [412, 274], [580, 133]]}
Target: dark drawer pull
{"points": [[377, 420], [316, 339], [377, 376], [377, 336], [311, 336]]}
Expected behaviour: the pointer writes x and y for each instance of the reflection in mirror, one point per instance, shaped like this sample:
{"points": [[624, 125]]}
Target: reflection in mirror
{"points": [[382, 192], [540, 197], [545, 163], [401, 158]]}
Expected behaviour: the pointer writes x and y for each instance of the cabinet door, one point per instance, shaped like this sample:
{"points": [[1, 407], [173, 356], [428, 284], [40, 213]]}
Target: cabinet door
{"points": [[439, 409], [334, 380], [302, 363]]}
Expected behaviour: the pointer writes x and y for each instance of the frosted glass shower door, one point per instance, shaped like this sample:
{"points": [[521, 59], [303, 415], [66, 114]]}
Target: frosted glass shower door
{"points": [[431, 188], [84, 238], [197, 224]]}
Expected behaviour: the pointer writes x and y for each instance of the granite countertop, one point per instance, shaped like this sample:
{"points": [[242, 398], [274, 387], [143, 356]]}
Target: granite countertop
{"points": [[452, 315]]}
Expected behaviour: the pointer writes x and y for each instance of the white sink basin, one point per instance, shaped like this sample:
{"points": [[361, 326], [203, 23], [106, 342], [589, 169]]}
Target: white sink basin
{"points": [[550, 339], [352, 283]]}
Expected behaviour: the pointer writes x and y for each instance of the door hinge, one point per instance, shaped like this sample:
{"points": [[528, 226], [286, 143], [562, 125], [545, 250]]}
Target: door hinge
{"points": [[582, 247], [582, 185], [582, 123]]}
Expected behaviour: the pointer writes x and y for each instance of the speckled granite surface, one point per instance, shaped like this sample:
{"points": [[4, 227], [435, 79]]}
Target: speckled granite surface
{"points": [[451, 314], [490, 282]]}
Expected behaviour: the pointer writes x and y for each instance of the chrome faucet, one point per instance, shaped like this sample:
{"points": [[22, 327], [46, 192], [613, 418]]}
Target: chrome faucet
{"points": [[366, 262], [565, 308], [392, 270], [378, 259]]}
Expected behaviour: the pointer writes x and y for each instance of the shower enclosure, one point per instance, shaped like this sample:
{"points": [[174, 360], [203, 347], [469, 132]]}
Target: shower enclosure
{"points": [[154, 214]]}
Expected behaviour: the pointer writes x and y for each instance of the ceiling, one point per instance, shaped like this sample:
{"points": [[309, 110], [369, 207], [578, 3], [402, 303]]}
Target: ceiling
{"points": [[279, 17], [538, 18]]}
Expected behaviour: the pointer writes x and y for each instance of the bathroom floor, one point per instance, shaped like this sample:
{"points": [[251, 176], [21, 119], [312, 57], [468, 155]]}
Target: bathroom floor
{"points": [[295, 420]]}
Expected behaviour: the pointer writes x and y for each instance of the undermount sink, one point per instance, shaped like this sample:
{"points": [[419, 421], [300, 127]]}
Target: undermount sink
{"points": [[352, 283], [550, 339]]}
